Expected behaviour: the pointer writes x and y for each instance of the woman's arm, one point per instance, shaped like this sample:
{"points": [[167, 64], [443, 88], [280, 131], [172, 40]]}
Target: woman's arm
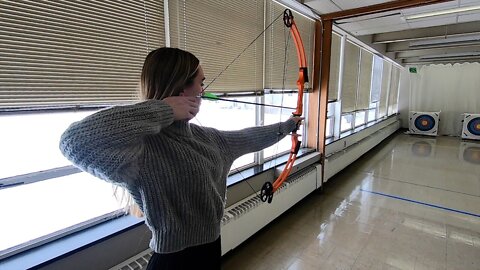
{"points": [[254, 139], [108, 143]]}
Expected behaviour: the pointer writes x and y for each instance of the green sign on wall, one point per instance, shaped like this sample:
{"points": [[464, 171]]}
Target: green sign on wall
{"points": [[413, 70]]}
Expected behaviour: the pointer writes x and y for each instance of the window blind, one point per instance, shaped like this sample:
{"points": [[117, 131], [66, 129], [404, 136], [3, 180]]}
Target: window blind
{"points": [[282, 72], [376, 78], [382, 109], [75, 53], [217, 32], [350, 76], [365, 80], [393, 96], [334, 67]]}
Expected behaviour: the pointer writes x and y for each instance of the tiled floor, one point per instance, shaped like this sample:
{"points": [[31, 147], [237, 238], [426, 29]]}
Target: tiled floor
{"points": [[410, 203]]}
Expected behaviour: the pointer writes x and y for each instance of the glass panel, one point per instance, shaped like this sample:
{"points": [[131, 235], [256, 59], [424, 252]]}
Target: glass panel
{"points": [[393, 96], [382, 109], [219, 114], [45, 207], [376, 78], [329, 128], [331, 108], [350, 77], [275, 115], [371, 114], [359, 118], [334, 67], [29, 142], [365, 80], [346, 123]]}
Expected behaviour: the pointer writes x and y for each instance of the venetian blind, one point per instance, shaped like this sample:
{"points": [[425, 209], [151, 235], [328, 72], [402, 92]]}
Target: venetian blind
{"points": [[350, 77], [376, 78], [334, 67], [281, 63], [64, 53], [393, 96], [365, 80], [382, 108], [217, 32]]}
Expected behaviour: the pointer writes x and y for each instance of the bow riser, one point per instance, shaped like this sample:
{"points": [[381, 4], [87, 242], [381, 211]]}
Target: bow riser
{"points": [[269, 189]]}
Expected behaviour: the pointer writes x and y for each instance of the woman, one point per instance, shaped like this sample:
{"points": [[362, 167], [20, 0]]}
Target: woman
{"points": [[175, 171]]}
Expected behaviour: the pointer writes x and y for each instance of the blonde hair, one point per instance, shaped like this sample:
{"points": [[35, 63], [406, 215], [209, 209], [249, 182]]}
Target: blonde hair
{"points": [[167, 72], [126, 201]]}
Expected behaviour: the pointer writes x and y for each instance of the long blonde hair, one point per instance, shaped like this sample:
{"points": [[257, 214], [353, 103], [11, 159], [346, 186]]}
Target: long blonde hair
{"points": [[166, 72]]}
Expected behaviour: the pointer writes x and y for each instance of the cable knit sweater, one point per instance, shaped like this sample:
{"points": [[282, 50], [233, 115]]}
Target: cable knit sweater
{"points": [[175, 171]]}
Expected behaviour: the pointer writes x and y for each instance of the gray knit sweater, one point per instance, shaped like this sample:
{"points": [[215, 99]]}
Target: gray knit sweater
{"points": [[175, 171]]}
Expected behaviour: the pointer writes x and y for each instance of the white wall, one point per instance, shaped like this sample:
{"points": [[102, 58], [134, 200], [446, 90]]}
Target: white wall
{"points": [[451, 89]]}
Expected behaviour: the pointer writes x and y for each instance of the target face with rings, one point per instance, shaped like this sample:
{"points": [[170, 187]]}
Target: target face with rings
{"points": [[424, 122], [473, 126]]}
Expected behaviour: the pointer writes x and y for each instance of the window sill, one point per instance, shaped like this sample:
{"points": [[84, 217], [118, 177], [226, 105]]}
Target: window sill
{"points": [[357, 129], [42, 255]]}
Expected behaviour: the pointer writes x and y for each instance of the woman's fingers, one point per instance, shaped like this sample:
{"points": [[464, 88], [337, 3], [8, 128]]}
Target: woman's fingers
{"points": [[184, 108]]}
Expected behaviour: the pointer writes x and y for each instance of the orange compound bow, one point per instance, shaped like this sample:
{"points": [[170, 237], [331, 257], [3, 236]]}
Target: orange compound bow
{"points": [[268, 188]]}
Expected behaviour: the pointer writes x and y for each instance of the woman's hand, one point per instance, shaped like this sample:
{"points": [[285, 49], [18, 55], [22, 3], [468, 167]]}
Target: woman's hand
{"points": [[298, 120], [184, 108]]}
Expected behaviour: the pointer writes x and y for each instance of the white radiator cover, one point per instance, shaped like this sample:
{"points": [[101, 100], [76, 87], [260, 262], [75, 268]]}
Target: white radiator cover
{"points": [[341, 159], [248, 216]]}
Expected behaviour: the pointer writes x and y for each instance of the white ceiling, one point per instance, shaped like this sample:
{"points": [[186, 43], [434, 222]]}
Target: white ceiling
{"points": [[384, 26]]}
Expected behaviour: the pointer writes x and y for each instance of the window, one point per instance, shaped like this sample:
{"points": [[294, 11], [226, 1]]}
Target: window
{"points": [[29, 142], [232, 25], [359, 118], [281, 68], [365, 80], [329, 128], [350, 77], [219, 114], [275, 115], [61, 53], [47, 207], [347, 121], [382, 108], [334, 67], [372, 115], [376, 79], [393, 95]]}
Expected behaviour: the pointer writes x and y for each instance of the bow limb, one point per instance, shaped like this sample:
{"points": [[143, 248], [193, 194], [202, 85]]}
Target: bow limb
{"points": [[269, 189]]}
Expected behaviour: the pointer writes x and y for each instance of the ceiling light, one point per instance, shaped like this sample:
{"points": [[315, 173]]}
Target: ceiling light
{"points": [[442, 12]]}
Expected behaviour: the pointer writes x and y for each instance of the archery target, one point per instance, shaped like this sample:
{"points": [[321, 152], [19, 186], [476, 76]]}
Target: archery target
{"points": [[471, 126], [425, 123]]}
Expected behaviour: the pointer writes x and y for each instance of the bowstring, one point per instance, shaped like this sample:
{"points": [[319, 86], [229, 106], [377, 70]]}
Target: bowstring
{"points": [[285, 67]]}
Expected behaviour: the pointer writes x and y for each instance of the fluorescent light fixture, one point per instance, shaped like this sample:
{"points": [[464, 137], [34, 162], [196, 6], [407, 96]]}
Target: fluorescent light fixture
{"points": [[442, 12]]}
